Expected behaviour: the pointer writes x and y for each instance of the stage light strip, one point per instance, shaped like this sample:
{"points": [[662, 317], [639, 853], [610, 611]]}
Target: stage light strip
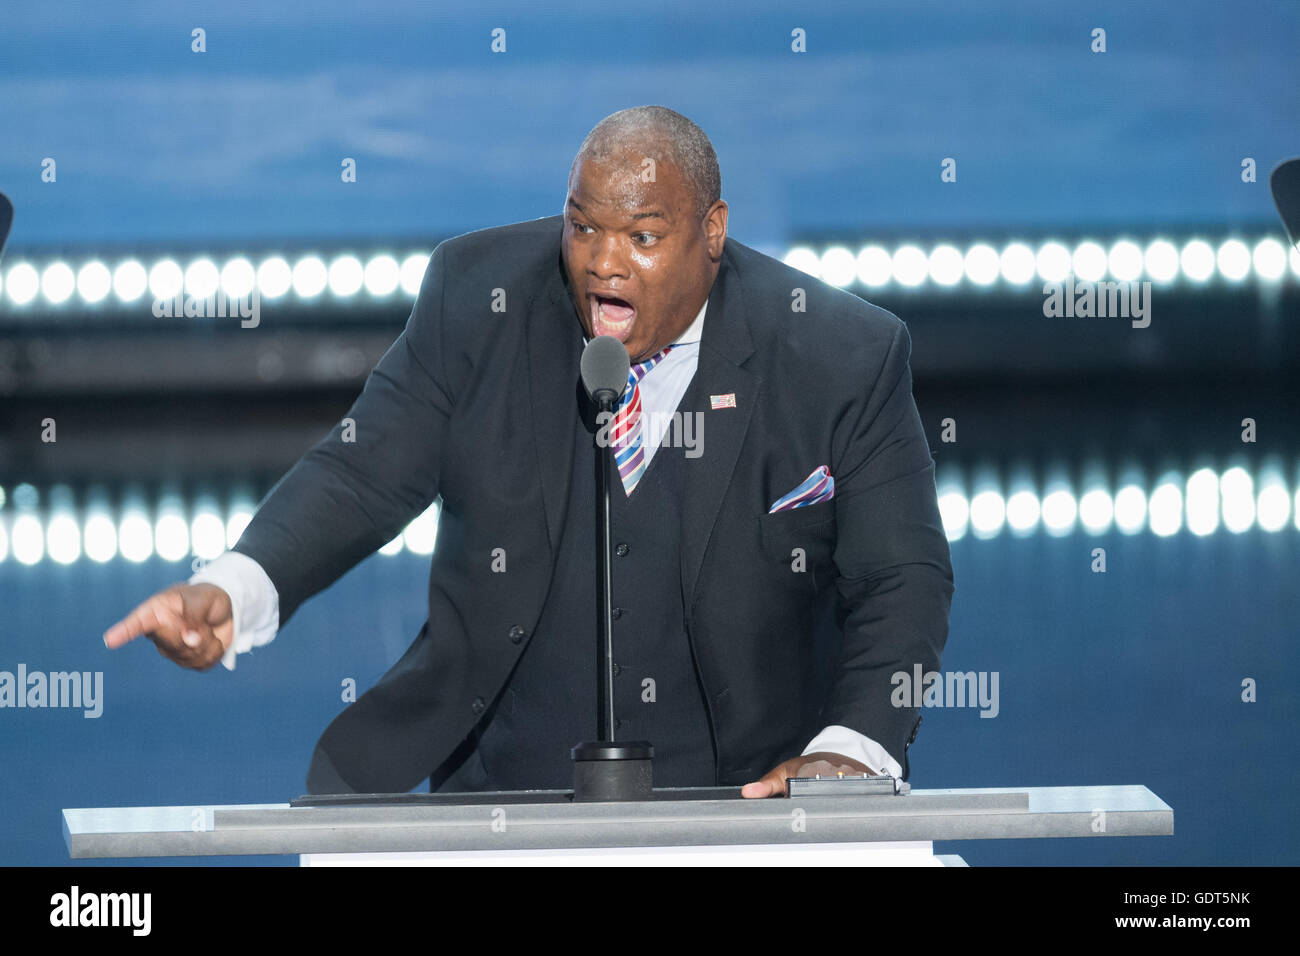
{"points": [[1200, 503], [1196, 262], [131, 283], [169, 530]]}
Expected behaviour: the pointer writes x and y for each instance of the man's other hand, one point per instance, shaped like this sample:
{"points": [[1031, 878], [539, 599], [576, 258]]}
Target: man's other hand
{"points": [[189, 623], [772, 784]]}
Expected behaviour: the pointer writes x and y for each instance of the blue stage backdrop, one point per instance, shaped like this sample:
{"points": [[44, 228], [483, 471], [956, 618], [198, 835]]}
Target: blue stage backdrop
{"points": [[1132, 676]]}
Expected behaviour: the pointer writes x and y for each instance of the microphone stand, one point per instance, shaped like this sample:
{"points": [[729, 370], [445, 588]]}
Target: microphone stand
{"points": [[605, 719], [604, 769]]}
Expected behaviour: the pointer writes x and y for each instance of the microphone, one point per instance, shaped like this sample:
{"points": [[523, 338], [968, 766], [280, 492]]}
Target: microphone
{"points": [[6, 219], [1285, 184], [604, 370]]}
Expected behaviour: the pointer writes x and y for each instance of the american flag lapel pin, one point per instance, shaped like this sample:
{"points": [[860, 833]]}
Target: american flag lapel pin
{"points": [[722, 401]]}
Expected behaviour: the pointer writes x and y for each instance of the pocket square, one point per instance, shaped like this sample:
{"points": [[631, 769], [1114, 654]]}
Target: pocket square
{"points": [[817, 487]]}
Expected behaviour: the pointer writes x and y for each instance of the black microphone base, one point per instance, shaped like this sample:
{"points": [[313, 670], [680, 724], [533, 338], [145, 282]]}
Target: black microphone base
{"points": [[605, 771]]}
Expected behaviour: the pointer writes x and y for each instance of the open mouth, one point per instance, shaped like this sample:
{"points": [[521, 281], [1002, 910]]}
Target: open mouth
{"points": [[611, 316]]}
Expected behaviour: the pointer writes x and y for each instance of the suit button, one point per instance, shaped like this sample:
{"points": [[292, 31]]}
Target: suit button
{"points": [[622, 549], [618, 669], [517, 634], [616, 613], [478, 706]]}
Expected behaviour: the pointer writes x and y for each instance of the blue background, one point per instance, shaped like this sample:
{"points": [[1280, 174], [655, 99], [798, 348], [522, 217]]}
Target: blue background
{"points": [[1128, 677], [245, 141]]}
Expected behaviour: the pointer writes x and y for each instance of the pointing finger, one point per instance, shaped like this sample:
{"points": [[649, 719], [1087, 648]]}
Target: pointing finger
{"points": [[152, 617]]}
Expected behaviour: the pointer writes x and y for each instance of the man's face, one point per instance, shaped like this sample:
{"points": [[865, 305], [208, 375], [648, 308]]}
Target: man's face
{"points": [[639, 261]]}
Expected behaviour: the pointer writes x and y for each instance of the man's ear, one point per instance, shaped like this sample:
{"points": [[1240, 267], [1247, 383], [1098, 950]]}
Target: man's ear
{"points": [[715, 229]]}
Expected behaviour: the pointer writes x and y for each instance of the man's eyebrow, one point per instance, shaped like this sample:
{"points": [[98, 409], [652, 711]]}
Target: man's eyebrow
{"points": [[652, 214]]}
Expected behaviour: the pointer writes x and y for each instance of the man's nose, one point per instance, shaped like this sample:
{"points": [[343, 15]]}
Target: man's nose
{"points": [[607, 259]]}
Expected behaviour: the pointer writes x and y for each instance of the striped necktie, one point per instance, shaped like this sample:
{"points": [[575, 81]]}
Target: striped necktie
{"points": [[625, 431]]}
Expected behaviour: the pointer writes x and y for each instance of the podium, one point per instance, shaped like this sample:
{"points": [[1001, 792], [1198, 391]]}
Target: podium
{"points": [[693, 825]]}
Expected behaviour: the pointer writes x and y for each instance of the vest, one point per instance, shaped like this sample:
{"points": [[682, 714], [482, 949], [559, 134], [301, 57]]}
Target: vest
{"points": [[548, 704]]}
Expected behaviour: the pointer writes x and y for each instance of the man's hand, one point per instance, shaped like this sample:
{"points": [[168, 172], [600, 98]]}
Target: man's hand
{"points": [[772, 783], [189, 623]]}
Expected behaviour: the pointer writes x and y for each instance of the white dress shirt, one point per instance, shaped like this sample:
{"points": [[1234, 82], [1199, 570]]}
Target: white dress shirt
{"points": [[255, 604]]}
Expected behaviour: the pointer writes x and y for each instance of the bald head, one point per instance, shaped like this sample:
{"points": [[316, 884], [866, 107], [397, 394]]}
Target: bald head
{"points": [[665, 136], [644, 228]]}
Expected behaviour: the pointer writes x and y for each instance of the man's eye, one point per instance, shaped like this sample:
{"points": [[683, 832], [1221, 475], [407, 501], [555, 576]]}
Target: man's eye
{"points": [[645, 237], [580, 226]]}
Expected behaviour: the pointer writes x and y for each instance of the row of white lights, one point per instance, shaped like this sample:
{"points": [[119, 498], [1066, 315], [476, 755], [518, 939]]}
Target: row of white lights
{"points": [[1018, 264], [129, 281], [873, 266], [136, 536], [1202, 504]]}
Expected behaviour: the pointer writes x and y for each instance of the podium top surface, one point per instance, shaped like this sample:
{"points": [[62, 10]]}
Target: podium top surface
{"points": [[547, 820]]}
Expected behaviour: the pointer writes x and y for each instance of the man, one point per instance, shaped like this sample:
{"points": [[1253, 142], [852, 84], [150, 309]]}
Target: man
{"points": [[779, 554]]}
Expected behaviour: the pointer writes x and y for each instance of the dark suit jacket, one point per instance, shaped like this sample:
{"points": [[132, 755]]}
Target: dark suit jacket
{"points": [[476, 405]]}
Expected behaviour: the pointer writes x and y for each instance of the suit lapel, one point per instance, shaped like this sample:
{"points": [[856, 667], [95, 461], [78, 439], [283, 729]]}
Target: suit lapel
{"points": [[725, 346], [553, 351]]}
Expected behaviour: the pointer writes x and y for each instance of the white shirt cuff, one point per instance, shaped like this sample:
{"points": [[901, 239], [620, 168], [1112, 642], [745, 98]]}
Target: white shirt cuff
{"points": [[254, 602], [841, 740]]}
